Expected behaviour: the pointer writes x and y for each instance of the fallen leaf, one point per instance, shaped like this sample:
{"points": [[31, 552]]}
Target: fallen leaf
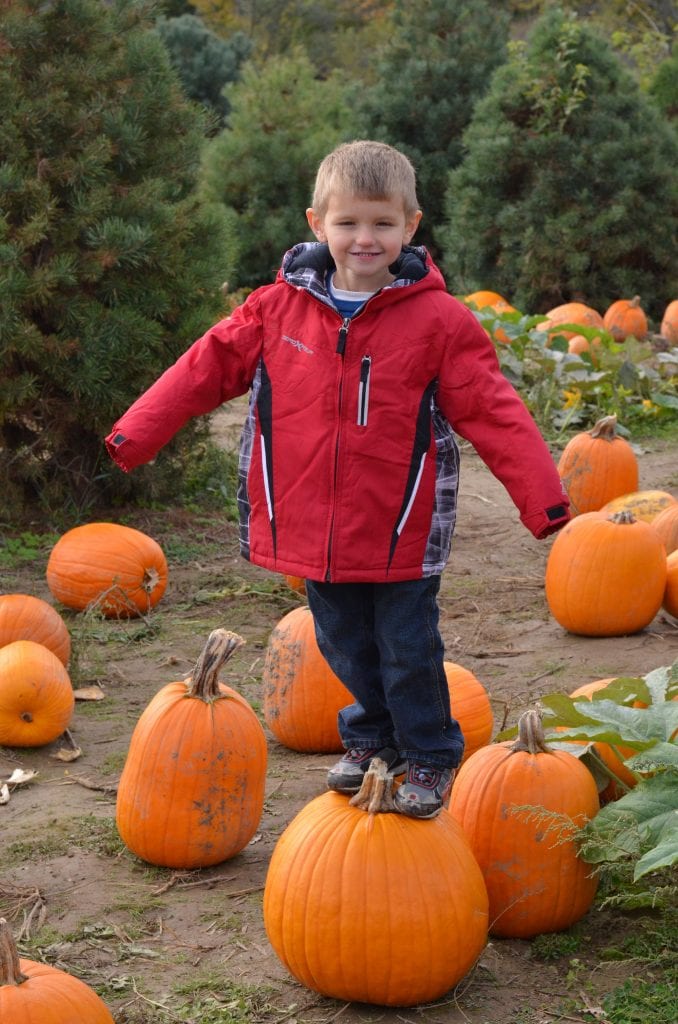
{"points": [[89, 693]]}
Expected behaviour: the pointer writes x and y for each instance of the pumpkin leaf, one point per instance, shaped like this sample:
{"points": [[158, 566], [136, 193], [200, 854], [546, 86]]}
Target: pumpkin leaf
{"points": [[661, 755], [664, 854], [632, 825]]}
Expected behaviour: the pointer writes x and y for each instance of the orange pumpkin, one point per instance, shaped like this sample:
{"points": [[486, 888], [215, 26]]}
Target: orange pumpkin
{"points": [[596, 466], [374, 907], [625, 318], [645, 505], [670, 599], [296, 583], [117, 569], [191, 793], [491, 300], [36, 696], [470, 706], [24, 617], [605, 752], [302, 695], [32, 992], [502, 798], [666, 526], [578, 344], [570, 313], [605, 576], [669, 325]]}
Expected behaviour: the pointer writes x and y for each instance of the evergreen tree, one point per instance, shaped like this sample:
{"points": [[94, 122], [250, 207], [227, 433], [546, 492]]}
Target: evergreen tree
{"points": [[435, 66], [111, 264], [283, 121], [204, 62], [568, 186]]}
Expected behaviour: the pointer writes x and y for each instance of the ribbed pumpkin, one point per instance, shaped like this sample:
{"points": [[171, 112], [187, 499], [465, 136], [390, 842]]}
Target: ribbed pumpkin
{"points": [[570, 313], [36, 696], [302, 695], [36, 993], [191, 792], [665, 525], [605, 576], [502, 798], [669, 325], [470, 706], [374, 907], [597, 465], [613, 791], [626, 318], [120, 570], [25, 617], [645, 505], [670, 598]]}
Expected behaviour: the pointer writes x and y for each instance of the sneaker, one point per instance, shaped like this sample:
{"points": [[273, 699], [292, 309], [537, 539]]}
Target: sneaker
{"points": [[346, 776], [424, 791]]}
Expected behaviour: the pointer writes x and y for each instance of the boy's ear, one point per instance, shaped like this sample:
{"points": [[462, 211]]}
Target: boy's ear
{"points": [[315, 223], [411, 225]]}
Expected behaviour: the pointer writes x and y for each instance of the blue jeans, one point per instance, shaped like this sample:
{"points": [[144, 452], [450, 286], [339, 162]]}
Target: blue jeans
{"points": [[382, 641]]}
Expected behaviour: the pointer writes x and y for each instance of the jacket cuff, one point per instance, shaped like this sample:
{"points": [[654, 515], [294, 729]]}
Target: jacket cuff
{"points": [[124, 452], [547, 521]]}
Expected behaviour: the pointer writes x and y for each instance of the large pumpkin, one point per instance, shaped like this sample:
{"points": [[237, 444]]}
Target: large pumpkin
{"points": [[597, 465], [520, 804], [669, 324], [605, 576], [626, 318], [36, 696], [302, 695], [374, 907], [191, 792], [645, 505], [36, 993], [665, 525], [470, 706], [570, 313], [117, 569], [24, 617]]}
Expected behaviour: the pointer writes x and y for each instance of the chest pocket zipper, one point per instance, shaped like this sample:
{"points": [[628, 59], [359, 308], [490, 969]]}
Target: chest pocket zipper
{"points": [[364, 390]]}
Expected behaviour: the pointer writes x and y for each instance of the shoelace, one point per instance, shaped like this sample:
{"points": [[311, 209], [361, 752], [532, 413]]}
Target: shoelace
{"points": [[424, 776]]}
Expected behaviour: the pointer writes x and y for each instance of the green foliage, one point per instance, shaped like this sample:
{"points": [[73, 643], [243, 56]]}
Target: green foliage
{"points": [[663, 87], [111, 262], [565, 391], [568, 187], [204, 62], [283, 121], [435, 65]]}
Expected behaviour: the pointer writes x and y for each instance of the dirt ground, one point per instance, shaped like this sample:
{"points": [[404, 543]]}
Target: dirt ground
{"points": [[138, 933]]}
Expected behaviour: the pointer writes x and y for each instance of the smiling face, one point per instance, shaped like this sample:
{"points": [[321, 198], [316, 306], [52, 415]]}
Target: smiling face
{"points": [[364, 236]]}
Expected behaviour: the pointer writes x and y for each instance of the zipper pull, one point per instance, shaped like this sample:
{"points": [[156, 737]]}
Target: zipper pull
{"points": [[343, 331]]}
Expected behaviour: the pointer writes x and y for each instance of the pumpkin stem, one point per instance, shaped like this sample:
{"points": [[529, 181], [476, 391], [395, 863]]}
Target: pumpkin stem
{"points": [[624, 516], [10, 970], [530, 734], [204, 682], [635, 301], [376, 792], [150, 581], [605, 429]]}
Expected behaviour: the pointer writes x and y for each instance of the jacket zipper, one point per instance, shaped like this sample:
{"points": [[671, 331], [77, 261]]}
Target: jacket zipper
{"points": [[341, 346], [364, 390]]}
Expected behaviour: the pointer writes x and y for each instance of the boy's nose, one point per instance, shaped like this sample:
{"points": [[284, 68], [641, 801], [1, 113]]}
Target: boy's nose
{"points": [[364, 235]]}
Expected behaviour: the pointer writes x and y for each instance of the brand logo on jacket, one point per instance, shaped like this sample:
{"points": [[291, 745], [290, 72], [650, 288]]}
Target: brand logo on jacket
{"points": [[299, 345]]}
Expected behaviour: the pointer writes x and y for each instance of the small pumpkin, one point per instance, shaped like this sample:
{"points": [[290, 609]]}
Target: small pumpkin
{"points": [[25, 617], [471, 707], [578, 344], [596, 466], [605, 575], [296, 583], [670, 599], [577, 313], [191, 793], [626, 318], [36, 695], [669, 324], [645, 505], [374, 907], [119, 570], [520, 804], [302, 695], [36, 993], [665, 524], [497, 303]]}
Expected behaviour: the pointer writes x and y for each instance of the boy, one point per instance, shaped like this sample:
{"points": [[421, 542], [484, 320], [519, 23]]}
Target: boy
{"points": [[360, 367]]}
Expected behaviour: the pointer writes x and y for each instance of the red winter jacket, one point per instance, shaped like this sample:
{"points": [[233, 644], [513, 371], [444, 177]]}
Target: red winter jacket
{"points": [[348, 462]]}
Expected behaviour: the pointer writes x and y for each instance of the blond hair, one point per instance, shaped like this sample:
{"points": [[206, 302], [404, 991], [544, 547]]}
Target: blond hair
{"points": [[370, 170]]}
